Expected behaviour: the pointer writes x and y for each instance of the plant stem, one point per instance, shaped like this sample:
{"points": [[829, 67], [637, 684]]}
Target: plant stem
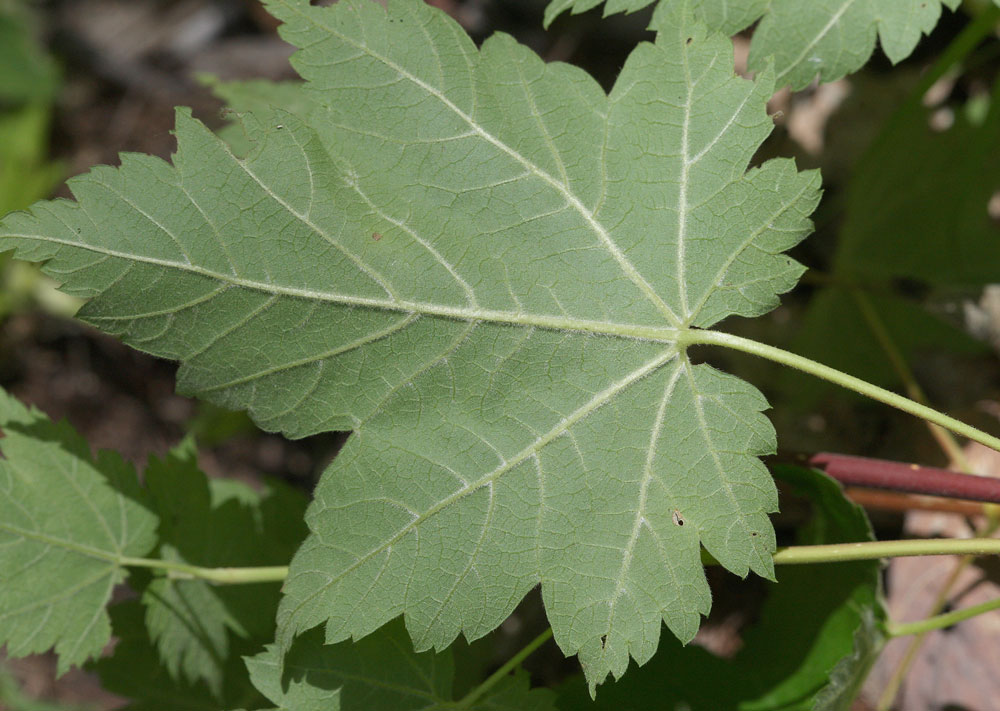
{"points": [[222, 576], [911, 478], [494, 678], [717, 338], [794, 555], [888, 695], [871, 550], [904, 503], [941, 621]]}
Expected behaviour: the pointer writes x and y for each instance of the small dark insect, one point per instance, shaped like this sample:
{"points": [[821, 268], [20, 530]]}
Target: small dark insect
{"points": [[376, 236], [678, 519]]}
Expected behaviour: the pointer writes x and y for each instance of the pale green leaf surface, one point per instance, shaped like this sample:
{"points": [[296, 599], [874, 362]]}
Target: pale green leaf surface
{"points": [[818, 632], [831, 38], [241, 97], [480, 263], [379, 672], [828, 38], [66, 520]]}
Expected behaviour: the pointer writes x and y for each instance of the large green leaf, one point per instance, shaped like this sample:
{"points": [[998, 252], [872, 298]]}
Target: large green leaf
{"points": [[819, 632], [483, 265], [67, 520], [828, 38], [379, 672]]}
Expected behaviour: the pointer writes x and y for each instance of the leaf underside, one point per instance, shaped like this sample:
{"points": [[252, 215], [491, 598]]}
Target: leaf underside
{"points": [[811, 645], [64, 526], [824, 38], [481, 264]]}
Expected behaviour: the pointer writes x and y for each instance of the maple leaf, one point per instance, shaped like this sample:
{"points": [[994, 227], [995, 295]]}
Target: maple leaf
{"points": [[486, 267]]}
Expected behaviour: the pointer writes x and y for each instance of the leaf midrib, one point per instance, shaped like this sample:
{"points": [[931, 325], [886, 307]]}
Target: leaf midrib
{"points": [[834, 19], [114, 557], [640, 512], [661, 334]]}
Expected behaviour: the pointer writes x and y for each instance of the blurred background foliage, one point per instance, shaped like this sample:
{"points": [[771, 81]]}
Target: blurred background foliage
{"points": [[29, 84], [902, 288]]}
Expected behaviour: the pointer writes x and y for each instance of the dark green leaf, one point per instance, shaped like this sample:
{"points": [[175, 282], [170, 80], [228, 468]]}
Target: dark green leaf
{"points": [[135, 672], [916, 214], [913, 329], [214, 524], [27, 73], [378, 672], [917, 205]]}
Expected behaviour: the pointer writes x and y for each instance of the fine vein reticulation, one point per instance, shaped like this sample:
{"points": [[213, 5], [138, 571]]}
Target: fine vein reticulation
{"points": [[481, 264]]}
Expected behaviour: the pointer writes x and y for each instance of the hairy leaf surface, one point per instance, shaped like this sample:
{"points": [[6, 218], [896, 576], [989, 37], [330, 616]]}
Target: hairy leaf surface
{"points": [[485, 266], [818, 633], [66, 521], [379, 672], [828, 38]]}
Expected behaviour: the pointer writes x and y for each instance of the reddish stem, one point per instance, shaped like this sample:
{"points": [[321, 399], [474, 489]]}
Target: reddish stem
{"points": [[911, 478]]}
